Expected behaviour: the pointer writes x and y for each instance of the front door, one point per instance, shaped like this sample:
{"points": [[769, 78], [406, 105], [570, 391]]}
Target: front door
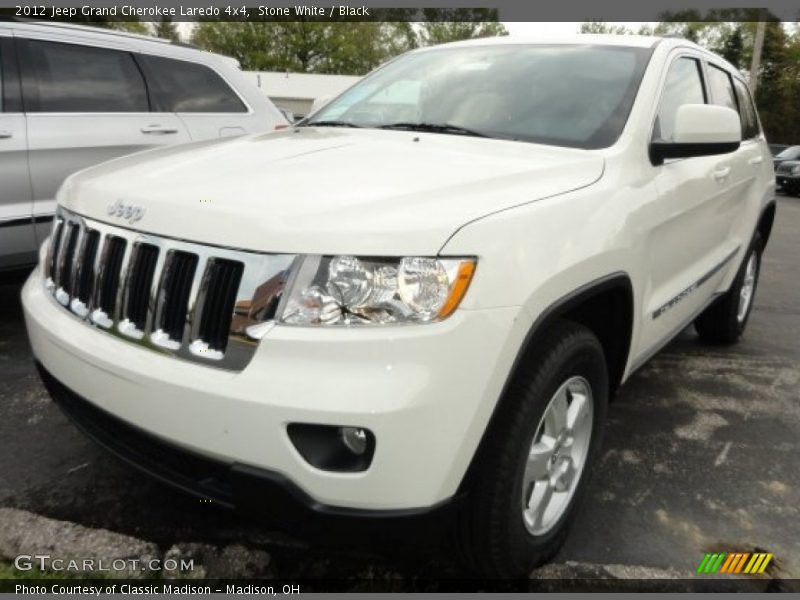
{"points": [[17, 239], [689, 247]]}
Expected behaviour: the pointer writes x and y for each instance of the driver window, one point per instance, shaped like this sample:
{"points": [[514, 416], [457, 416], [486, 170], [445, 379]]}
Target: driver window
{"points": [[684, 85]]}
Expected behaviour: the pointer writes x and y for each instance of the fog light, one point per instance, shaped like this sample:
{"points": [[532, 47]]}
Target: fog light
{"points": [[355, 439], [340, 448]]}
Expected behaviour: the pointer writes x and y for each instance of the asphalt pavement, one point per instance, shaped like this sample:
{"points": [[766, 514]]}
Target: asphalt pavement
{"points": [[702, 453]]}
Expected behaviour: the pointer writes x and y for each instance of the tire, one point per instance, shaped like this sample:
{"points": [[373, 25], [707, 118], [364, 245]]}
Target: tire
{"points": [[495, 540], [724, 321]]}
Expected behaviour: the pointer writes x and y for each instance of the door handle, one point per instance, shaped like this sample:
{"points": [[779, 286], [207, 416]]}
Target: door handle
{"points": [[158, 130], [756, 160], [722, 173], [4, 135]]}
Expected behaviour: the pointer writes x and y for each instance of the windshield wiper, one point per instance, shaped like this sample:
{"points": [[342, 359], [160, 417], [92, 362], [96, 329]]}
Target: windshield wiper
{"points": [[434, 128], [330, 124]]}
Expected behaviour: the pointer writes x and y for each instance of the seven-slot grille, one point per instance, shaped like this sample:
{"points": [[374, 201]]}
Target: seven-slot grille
{"points": [[189, 300]]}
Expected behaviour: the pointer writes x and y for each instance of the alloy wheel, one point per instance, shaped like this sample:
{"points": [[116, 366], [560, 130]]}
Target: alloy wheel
{"points": [[748, 287], [557, 455]]}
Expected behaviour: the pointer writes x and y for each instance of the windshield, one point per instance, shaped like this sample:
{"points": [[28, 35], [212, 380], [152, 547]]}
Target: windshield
{"points": [[577, 96], [791, 153]]}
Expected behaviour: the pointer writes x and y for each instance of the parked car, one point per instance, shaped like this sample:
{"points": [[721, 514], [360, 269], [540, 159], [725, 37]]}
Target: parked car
{"points": [[776, 149], [787, 176], [75, 96], [788, 154], [496, 235]]}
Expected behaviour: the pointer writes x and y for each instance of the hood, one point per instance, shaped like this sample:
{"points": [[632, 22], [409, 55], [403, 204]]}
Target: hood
{"points": [[327, 190]]}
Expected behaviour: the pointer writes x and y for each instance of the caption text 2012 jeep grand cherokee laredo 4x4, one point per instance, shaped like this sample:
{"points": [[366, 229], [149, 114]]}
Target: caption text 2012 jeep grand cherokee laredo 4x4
{"points": [[420, 297]]}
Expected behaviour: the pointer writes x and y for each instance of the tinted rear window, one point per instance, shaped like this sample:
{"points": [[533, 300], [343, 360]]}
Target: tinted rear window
{"points": [[747, 111], [181, 86], [72, 78], [1, 75]]}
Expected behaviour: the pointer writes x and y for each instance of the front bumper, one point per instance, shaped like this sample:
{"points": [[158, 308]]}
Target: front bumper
{"points": [[426, 392], [265, 495]]}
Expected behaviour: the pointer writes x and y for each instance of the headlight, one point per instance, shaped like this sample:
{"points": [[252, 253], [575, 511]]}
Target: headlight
{"points": [[796, 170], [346, 290]]}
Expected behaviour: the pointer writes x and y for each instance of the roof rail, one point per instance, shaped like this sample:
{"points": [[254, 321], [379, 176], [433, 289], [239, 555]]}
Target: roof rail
{"points": [[183, 44], [86, 26]]}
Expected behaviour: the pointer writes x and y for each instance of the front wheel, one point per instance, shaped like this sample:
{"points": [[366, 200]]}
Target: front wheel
{"points": [[532, 469], [724, 321]]}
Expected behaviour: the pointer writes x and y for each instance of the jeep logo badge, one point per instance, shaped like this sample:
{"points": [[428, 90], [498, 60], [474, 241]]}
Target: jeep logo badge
{"points": [[129, 212]]}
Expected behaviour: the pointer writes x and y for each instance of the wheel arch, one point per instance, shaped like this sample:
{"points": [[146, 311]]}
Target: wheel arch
{"points": [[605, 306], [765, 221]]}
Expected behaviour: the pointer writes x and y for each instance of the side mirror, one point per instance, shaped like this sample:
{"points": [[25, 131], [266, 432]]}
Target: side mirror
{"points": [[319, 103], [700, 130]]}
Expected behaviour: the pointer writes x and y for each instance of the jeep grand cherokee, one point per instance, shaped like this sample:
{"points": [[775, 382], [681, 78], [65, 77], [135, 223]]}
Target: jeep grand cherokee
{"points": [[420, 297]]}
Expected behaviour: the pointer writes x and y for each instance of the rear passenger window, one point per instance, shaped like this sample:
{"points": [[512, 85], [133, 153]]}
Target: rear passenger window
{"points": [[684, 85], [721, 88], [747, 111], [1, 75], [9, 82], [71, 78], [181, 86]]}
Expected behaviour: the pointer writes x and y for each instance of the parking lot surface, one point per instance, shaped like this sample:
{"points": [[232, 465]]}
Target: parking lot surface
{"points": [[701, 454]]}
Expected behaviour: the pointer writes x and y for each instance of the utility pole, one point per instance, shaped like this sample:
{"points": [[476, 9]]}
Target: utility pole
{"points": [[757, 45]]}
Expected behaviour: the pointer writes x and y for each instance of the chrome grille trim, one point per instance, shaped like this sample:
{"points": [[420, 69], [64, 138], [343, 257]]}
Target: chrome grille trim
{"points": [[263, 279]]}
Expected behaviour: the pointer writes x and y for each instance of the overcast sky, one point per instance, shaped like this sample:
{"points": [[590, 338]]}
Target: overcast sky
{"points": [[555, 29], [514, 28]]}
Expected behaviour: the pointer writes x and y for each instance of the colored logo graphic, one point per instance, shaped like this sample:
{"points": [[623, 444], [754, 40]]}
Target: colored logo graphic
{"points": [[735, 562]]}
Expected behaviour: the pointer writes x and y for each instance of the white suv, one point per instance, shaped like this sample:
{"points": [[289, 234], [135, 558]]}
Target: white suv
{"points": [[72, 97], [419, 299]]}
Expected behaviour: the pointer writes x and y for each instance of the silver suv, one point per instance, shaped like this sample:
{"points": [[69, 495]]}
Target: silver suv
{"points": [[71, 97]]}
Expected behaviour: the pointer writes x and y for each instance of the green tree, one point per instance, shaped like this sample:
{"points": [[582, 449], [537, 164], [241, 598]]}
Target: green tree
{"points": [[731, 48], [605, 28], [776, 93], [352, 48], [687, 24], [166, 29], [731, 33], [451, 25]]}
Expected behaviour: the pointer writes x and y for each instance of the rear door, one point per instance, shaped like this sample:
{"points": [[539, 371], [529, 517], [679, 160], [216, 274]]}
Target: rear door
{"points": [[203, 99], [754, 146], [17, 239], [745, 164], [85, 104]]}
